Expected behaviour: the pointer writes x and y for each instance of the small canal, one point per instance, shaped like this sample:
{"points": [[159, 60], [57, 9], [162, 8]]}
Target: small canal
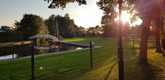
{"points": [[11, 52]]}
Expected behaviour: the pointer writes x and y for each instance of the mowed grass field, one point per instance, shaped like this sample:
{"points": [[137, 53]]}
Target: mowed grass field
{"points": [[76, 65]]}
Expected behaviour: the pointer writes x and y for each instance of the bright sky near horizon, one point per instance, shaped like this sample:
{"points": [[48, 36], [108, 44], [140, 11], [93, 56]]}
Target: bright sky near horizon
{"points": [[85, 15]]}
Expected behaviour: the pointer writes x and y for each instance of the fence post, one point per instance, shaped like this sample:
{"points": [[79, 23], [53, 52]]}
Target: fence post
{"points": [[91, 53], [133, 46], [32, 62]]}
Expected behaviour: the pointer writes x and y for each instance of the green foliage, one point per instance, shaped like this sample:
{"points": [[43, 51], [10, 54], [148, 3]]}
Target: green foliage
{"points": [[5, 27], [108, 19], [81, 32], [135, 31], [51, 24], [126, 30], [32, 25], [96, 31], [10, 36], [110, 14], [67, 27], [62, 3], [110, 31]]}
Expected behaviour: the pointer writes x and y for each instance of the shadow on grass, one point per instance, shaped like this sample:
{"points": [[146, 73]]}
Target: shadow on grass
{"points": [[140, 72], [109, 72], [134, 71]]}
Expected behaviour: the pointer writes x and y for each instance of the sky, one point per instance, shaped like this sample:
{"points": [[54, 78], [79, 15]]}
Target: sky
{"points": [[85, 15]]}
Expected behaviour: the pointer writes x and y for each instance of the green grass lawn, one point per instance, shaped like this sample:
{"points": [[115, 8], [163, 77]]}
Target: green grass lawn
{"points": [[76, 65]]}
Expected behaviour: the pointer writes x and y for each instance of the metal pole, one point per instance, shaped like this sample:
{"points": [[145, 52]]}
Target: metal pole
{"points": [[133, 46], [120, 49], [153, 41], [91, 54], [32, 63]]}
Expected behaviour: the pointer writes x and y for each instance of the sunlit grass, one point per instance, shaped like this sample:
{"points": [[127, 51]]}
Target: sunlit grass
{"points": [[76, 65], [66, 66], [111, 42], [143, 72], [73, 40]]}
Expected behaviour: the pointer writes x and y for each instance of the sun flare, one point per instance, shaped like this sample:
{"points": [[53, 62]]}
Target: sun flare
{"points": [[125, 17]]}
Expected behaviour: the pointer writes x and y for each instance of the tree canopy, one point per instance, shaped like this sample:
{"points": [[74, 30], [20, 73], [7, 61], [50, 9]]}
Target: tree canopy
{"points": [[62, 3], [66, 26], [32, 25]]}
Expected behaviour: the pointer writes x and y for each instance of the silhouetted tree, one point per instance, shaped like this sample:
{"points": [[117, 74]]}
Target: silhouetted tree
{"points": [[51, 24], [94, 31], [108, 19], [32, 25], [81, 31], [62, 3], [8, 27], [99, 31], [90, 32], [126, 30], [158, 26], [66, 26], [135, 31]]}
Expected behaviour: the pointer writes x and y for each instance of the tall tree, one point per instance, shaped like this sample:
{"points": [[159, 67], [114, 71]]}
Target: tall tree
{"points": [[147, 11], [134, 7], [81, 31], [146, 22], [51, 24], [135, 31], [108, 19], [126, 29], [32, 25], [158, 25], [144, 41], [66, 26], [99, 31], [91, 32], [96, 31]]}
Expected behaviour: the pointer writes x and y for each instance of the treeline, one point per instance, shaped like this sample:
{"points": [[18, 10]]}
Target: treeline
{"points": [[55, 25], [68, 29], [63, 26], [10, 36]]}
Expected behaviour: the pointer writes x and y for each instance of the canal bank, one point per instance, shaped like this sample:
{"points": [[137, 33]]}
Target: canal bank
{"points": [[79, 47], [15, 43]]}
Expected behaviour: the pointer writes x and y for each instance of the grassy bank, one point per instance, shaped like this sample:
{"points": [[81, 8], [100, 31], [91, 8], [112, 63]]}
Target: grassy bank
{"points": [[76, 65]]}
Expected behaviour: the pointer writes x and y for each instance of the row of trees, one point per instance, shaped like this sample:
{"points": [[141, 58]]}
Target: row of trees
{"points": [[64, 26], [67, 28], [55, 25], [32, 25]]}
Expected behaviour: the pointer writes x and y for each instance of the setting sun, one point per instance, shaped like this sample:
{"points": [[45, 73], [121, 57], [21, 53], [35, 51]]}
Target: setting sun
{"points": [[125, 17]]}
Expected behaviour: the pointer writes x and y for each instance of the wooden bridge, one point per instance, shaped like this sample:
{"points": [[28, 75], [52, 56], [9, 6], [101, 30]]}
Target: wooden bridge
{"points": [[42, 36], [28, 42]]}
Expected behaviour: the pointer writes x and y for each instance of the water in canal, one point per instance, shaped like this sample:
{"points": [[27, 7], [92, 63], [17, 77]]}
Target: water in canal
{"points": [[11, 52]]}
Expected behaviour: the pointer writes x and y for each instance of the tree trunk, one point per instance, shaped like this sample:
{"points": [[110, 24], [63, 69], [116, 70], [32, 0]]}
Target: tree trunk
{"points": [[158, 26], [144, 41]]}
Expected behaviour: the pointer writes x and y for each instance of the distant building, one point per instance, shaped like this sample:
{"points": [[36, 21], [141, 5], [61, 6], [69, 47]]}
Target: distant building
{"points": [[3, 29]]}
